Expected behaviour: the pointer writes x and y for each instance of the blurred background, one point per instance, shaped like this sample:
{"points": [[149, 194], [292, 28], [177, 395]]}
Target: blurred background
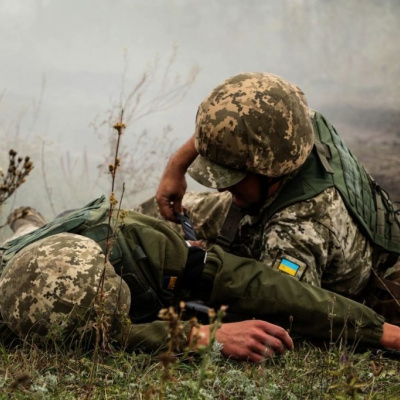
{"points": [[68, 67]]}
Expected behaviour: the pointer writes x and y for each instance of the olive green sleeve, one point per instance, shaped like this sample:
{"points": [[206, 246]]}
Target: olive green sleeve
{"points": [[150, 337], [251, 289]]}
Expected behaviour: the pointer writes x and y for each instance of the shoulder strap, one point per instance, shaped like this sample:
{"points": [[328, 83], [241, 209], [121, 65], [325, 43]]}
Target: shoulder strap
{"points": [[230, 227]]}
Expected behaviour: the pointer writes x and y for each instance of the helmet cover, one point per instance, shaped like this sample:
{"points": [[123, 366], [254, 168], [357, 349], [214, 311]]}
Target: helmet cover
{"points": [[251, 122], [55, 281]]}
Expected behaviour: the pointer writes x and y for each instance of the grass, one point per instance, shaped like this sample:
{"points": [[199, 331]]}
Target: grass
{"points": [[28, 372]]}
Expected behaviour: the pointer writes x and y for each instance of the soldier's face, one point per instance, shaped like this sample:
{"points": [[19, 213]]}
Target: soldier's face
{"points": [[248, 192]]}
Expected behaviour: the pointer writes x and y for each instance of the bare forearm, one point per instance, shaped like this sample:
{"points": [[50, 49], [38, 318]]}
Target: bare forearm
{"points": [[173, 184], [182, 158]]}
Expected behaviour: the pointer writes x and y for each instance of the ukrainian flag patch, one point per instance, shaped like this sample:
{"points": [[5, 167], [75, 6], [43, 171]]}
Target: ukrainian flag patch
{"points": [[290, 266], [169, 282]]}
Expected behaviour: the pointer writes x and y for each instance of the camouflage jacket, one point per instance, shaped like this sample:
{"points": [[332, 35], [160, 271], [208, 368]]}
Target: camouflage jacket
{"points": [[318, 232]]}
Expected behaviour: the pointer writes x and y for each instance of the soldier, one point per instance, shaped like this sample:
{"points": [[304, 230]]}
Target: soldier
{"points": [[290, 193], [52, 279]]}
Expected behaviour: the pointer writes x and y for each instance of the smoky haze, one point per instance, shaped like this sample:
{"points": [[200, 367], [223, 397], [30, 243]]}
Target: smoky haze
{"points": [[66, 64]]}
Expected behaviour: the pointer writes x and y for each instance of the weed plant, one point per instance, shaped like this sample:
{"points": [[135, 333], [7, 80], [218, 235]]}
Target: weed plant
{"points": [[17, 171]]}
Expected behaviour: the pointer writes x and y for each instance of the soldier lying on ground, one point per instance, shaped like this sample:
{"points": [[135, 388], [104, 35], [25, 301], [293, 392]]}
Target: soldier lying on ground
{"points": [[290, 192], [52, 276]]}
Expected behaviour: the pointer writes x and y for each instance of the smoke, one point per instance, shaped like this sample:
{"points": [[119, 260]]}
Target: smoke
{"points": [[63, 63]]}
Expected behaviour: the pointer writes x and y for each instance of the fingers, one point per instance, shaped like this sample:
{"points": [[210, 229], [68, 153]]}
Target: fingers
{"points": [[176, 205], [168, 207], [253, 340], [275, 336], [268, 352], [265, 349], [275, 345], [267, 340], [260, 354], [166, 211], [169, 202], [196, 243]]}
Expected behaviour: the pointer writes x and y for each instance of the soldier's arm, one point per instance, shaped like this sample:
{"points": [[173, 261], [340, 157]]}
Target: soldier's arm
{"points": [[252, 290], [206, 210], [252, 340], [173, 184], [149, 337], [321, 236]]}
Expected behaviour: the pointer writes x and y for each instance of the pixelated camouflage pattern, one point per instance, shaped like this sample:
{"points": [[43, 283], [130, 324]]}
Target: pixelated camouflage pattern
{"points": [[319, 232], [254, 122], [54, 281]]}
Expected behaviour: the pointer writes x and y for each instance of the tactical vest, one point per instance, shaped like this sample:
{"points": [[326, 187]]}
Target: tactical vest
{"points": [[331, 164], [91, 221]]}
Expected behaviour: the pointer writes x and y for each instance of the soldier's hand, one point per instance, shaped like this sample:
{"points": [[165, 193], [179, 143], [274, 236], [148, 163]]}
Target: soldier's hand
{"points": [[173, 184], [390, 336], [169, 195], [252, 340]]}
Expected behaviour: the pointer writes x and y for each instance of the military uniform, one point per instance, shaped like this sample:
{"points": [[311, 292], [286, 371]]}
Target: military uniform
{"points": [[328, 224], [56, 276]]}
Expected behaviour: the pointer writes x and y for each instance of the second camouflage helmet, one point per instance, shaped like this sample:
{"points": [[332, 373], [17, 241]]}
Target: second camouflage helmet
{"points": [[251, 122], [54, 282]]}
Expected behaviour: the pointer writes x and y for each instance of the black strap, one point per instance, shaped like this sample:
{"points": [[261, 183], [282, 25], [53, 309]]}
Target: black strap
{"points": [[188, 230], [230, 227], [192, 274]]}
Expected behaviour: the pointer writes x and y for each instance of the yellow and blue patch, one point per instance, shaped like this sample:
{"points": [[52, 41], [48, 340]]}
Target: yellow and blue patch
{"points": [[169, 282], [290, 266]]}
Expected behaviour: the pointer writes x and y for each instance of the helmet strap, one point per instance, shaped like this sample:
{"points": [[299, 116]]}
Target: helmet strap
{"points": [[265, 185]]}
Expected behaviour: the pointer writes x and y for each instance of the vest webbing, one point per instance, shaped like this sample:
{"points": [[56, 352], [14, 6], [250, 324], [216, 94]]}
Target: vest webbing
{"points": [[89, 221], [331, 164]]}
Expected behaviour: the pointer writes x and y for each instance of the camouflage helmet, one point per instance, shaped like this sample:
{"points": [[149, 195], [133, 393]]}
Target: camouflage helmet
{"points": [[54, 282], [251, 122]]}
